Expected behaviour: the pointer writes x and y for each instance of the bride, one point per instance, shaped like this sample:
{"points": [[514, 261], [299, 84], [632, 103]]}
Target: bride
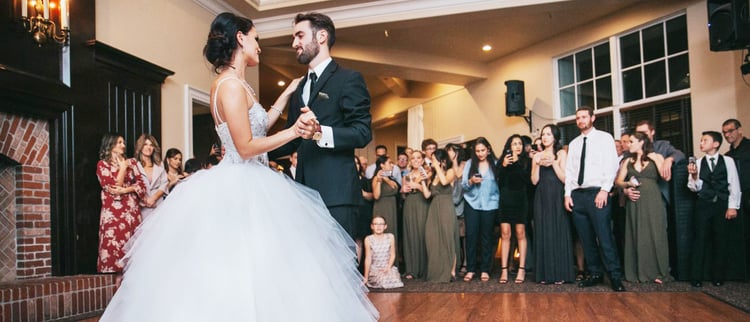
{"points": [[240, 242]]}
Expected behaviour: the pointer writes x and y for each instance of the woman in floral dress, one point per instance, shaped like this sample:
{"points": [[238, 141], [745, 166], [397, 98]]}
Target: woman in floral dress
{"points": [[122, 189]]}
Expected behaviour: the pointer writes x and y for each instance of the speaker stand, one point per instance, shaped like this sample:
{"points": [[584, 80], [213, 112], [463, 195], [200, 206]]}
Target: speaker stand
{"points": [[528, 120]]}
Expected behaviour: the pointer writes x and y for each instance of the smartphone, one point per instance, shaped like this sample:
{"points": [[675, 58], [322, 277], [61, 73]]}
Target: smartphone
{"points": [[478, 175], [691, 160], [508, 152]]}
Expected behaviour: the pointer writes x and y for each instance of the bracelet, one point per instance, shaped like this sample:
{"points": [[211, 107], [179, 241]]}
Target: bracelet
{"points": [[276, 109]]}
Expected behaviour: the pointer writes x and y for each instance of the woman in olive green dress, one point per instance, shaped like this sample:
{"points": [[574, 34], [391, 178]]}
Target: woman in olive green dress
{"points": [[646, 254], [440, 229], [384, 191], [415, 187]]}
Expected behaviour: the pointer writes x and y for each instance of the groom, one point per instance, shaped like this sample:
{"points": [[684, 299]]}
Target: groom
{"points": [[339, 99]]}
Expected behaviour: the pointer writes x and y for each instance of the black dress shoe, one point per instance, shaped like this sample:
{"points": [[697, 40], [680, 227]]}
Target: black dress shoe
{"points": [[590, 281], [617, 285], [718, 283], [696, 284]]}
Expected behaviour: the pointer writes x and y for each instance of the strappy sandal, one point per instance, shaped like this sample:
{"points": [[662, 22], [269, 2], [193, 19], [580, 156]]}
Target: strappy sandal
{"points": [[523, 279], [485, 277], [469, 276], [503, 280]]}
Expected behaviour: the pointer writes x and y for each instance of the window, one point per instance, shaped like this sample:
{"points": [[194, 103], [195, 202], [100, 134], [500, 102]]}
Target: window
{"points": [[654, 60], [585, 78], [671, 120]]}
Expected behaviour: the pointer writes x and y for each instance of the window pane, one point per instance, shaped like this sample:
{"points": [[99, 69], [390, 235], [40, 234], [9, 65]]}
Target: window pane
{"points": [[604, 92], [567, 101], [653, 42], [677, 39], [601, 59], [655, 75], [679, 73], [565, 70], [584, 65], [631, 85], [630, 49], [586, 94]]}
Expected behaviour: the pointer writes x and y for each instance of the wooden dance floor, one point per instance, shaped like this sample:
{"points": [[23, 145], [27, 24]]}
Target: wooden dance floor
{"points": [[588, 306]]}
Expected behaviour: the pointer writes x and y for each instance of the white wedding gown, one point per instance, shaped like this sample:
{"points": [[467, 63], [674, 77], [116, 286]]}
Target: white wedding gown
{"points": [[240, 242]]}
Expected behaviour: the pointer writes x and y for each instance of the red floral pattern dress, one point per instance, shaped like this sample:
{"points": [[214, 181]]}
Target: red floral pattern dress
{"points": [[119, 218]]}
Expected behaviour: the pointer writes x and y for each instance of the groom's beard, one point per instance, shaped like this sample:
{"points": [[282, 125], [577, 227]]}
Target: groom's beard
{"points": [[309, 52]]}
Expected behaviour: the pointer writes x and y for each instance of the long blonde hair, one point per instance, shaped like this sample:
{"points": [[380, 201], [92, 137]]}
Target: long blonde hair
{"points": [[156, 156]]}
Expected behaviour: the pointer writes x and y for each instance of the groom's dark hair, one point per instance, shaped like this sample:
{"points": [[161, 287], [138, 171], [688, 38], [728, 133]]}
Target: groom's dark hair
{"points": [[319, 21]]}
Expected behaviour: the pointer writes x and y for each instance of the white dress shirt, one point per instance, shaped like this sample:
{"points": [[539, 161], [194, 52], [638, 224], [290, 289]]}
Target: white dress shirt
{"points": [[326, 140], [733, 179], [601, 162]]}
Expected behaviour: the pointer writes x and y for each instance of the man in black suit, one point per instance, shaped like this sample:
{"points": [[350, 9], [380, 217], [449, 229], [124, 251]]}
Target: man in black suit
{"points": [[341, 103]]}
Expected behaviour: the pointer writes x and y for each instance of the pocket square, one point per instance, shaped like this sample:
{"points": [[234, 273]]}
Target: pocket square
{"points": [[323, 95]]}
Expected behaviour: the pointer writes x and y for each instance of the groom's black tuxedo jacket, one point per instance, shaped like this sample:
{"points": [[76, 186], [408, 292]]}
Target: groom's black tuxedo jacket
{"points": [[340, 100]]}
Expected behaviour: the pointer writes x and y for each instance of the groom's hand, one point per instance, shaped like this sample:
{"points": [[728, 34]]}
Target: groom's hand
{"points": [[306, 123]]}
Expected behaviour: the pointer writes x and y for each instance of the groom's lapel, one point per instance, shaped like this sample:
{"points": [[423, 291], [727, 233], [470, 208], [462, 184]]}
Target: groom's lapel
{"points": [[315, 93]]}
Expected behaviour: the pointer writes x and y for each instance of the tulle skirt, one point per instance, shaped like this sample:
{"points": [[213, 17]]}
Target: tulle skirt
{"points": [[240, 242]]}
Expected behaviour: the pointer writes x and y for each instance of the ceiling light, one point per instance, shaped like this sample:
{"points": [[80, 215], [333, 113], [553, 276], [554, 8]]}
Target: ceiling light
{"points": [[486, 48], [281, 83], [386, 33]]}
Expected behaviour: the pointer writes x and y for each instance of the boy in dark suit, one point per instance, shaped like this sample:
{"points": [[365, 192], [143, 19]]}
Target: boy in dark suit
{"points": [[714, 178]]}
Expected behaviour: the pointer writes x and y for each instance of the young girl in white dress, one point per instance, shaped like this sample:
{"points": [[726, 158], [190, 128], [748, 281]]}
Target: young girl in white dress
{"points": [[380, 255]]}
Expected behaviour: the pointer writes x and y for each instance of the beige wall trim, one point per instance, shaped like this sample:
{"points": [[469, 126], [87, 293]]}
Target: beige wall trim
{"points": [[192, 95]]}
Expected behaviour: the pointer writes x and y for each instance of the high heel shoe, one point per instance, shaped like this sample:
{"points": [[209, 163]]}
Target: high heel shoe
{"points": [[503, 280], [520, 280]]}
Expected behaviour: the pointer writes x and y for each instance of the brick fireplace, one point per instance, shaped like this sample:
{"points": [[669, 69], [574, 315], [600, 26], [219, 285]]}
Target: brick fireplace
{"points": [[28, 292]]}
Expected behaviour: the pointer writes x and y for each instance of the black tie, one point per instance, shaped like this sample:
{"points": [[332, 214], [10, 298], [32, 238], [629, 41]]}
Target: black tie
{"points": [[313, 78], [713, 163], [582, 168]]}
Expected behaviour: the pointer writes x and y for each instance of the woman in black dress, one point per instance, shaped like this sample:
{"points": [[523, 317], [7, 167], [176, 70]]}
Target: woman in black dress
{"points": [[553, 244], [514, 178]]}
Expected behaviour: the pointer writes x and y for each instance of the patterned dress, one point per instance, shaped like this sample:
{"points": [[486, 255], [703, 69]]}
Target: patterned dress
{"points": [[120, 215], [380, 248]]}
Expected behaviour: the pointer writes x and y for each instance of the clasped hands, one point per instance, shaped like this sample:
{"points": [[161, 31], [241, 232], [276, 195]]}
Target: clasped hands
{"points": [[307, 124]]}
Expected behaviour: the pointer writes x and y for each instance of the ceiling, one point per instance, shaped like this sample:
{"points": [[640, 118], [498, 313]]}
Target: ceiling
{"points": [[398, 45]]}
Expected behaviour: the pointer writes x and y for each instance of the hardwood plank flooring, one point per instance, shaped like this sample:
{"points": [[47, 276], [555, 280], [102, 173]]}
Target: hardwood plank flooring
{"points": [[671, 306]]}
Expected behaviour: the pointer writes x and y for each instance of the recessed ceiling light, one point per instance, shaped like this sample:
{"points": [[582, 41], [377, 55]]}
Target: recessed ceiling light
{"points": [[386, 33], [486, 48], [281, 83]]}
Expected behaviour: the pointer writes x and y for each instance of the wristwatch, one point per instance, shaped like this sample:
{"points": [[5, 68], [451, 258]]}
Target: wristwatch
{"points": [[318, 132]]}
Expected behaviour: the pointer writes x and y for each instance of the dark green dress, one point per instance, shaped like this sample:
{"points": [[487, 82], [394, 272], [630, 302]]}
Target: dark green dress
{"points": [[386, 208], [441, 234], [415, 217], [646, 253]]}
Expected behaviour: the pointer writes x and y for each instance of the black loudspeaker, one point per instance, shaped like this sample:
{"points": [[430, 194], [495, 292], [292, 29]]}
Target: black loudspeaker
{"points": [[728, 24], [515, 103]]}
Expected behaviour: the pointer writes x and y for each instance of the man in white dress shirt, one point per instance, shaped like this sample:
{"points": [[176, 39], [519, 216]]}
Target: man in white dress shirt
{"points": [[589, 175]]}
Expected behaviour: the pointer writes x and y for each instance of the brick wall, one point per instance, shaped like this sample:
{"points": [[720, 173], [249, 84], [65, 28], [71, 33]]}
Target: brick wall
{"points": [[26, 142], [68, 298]]}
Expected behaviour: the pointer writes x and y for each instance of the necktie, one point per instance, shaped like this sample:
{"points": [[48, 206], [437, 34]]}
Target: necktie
{"points": [[313, 79], [713, 163], [582, 167]]}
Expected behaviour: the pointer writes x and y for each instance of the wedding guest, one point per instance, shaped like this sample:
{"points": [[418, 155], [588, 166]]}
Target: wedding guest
{"points": [[514, 177], [365, 210], [148, 154], [482, 200], [458, 158], [191, 166], [428, 147], [415, 217], [714, 178], [380, 257], [173, 165], [589, 176], [122, 190], [212, 160], [646, 252], [554, 243], [739, 150], [440, 228], [291, 171], [384, 191], [671, 156]]}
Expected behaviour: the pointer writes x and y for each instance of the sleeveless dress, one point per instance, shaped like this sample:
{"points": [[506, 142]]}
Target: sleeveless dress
{"points": [[415, 217], [553, 242], [241, 242], [646, 255], [386, 207], [380, 249], [441, 234]]}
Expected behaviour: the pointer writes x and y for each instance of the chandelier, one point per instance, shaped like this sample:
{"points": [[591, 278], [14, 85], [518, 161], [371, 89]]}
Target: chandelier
{"points": [[40, 26]]}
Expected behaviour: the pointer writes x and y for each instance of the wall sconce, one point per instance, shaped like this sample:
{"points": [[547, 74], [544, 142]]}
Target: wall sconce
{"points": [[40, 26]]}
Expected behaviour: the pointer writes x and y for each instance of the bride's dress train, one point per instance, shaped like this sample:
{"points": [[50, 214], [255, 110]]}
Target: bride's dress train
{"points": [[241, 242]]}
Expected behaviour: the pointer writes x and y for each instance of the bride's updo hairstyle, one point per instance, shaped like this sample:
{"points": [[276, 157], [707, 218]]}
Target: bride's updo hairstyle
{"points": [[222, 40]]}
